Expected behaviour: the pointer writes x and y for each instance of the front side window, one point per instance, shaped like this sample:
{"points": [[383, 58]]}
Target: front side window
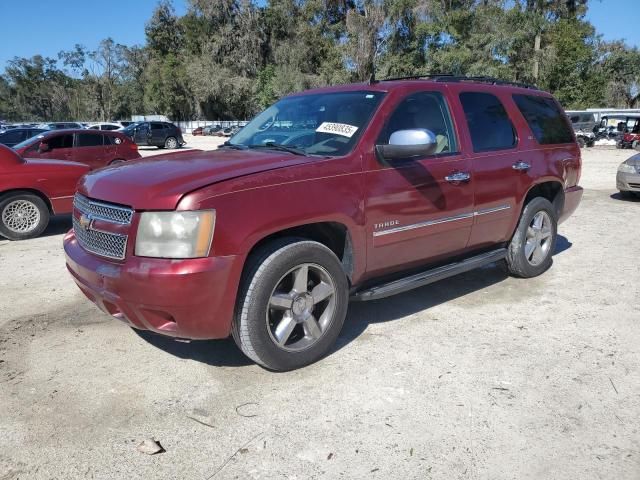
{"points": [[59, 141], [423, 110], [89, 140], [326, 124], [489, 124], [545, 119]]}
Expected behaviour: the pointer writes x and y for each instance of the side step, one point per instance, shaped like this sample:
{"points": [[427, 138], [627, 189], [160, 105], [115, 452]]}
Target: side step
{"points": [[429, 276]]}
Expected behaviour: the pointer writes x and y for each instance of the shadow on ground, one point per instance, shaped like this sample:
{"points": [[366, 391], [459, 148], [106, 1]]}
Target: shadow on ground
{"points": [[626, 197], [360, 314]]}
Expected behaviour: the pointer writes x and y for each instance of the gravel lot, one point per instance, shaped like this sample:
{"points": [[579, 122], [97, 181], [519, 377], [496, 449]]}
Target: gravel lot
{"points": [[480, 376]]}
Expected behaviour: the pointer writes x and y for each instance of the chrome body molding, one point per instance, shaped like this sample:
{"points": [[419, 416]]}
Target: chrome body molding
{"points": [[455, 218]]}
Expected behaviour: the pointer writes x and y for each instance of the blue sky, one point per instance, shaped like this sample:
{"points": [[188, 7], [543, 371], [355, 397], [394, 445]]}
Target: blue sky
{"points": [[47, 26]]}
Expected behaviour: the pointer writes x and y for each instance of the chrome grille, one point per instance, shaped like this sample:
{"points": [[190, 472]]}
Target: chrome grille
{"points": [[105, 244], [103, 211]]}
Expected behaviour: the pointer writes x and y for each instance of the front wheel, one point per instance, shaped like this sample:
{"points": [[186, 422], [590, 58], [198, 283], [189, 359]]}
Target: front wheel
{"points": [[532, 246], [22, 216], [292, 304]]}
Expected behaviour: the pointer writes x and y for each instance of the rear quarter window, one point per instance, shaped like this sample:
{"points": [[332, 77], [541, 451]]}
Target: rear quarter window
{"points": [[545, 119]]}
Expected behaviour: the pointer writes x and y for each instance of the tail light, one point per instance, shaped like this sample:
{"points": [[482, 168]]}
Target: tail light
{"points": [[179, 130], [133, 146]]}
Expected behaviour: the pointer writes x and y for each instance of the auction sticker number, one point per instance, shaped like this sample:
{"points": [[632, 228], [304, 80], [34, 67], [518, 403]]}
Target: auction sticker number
{"points": [[337, 128]]}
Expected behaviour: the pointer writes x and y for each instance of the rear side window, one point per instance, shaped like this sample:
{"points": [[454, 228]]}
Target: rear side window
{"points": [[89, 140], [12, 136], [489, 124], [112, 140], [157, 126], [545, 119]]}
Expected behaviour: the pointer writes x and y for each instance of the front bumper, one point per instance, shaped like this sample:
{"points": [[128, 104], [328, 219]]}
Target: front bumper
{"points": [[572, 197], [192, 298], [628, 182]]}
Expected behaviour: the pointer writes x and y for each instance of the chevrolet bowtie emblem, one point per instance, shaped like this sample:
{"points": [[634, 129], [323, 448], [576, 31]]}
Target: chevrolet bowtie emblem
{"points": [[85, 221]]}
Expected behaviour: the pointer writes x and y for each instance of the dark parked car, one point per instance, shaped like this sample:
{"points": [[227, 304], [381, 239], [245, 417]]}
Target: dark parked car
{"points": [[16, 135], [95, 148], [63, 125], [33, 190], [211, 129], [380, 188], [156, 134]]}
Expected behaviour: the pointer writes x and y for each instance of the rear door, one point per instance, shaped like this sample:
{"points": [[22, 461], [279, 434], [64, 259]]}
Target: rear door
{"points": [[89, 149], [500, 168], [158, 133]]}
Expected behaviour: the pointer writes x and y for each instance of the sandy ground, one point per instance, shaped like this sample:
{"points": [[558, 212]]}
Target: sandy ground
{"points": [[481, 376]]}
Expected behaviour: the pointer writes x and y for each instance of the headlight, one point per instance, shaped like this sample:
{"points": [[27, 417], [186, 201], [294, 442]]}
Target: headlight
{"points": [[626, 168], [185, 234]]}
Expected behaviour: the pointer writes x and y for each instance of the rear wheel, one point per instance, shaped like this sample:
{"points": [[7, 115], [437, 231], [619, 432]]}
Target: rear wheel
{"points": [[532, 246], [171, 142], [22, 216], [292, 304]]}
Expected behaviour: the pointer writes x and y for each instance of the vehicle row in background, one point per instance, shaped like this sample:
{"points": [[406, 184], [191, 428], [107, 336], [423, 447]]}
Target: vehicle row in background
{"points": [[216, 130]]}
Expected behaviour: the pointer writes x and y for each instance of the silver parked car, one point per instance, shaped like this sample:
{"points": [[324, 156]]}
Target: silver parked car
{"points": [[628, 178]]}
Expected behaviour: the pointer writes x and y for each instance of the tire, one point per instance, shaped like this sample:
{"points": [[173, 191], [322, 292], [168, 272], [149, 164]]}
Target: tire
{"points": [[117, 161], [33, 220], [524, 260], [172, 143], [581, 142], [260, 322]]}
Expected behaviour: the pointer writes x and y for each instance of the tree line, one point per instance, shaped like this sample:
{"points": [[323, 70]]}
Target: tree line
{"points": [[228, 59]]}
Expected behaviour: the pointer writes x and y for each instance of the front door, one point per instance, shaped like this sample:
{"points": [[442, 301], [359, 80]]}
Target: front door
{"points": [[60, 147], [419, 210]]}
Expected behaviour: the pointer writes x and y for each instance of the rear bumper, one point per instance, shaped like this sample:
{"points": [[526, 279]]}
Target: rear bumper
{"points": [[628, 182], [572, 197], [192, 299]]}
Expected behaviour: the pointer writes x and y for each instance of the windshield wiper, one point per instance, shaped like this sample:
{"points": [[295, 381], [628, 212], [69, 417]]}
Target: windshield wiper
{"points": [[283, 148], [234, 146]]}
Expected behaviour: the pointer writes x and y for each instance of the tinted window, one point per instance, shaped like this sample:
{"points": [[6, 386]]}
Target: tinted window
{"points": [[12, 136], [89, 140], [488, 122], [157, 126], [59, 141], [424, 110], [545, 119]]}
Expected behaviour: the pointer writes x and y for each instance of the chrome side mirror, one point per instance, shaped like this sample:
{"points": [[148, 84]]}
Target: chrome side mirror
{"points": [[405, 144]]}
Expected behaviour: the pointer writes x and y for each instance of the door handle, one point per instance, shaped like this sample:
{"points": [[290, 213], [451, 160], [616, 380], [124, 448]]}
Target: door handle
{"points": [[458, 177], [520, 165]]}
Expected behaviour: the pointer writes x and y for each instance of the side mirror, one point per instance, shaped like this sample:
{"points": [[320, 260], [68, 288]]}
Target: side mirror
{"points": [[405, 144], [43, 147]]}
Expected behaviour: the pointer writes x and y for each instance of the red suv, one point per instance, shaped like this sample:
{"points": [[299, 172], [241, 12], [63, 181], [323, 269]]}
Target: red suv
{"points": [[95, 148], [355, 191]]}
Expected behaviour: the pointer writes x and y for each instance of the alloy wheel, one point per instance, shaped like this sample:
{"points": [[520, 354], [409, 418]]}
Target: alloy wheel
{"points": [[539, 239], [301, 307], [21, 216]]}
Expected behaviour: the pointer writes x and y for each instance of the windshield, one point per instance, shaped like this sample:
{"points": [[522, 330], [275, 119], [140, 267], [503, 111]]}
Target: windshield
{"points": [[327, 124], [29, 141]]}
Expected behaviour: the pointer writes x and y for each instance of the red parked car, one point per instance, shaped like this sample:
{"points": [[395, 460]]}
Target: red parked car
{"points": [[95, 148], [355, 191], [33, 190], [197, 131]]}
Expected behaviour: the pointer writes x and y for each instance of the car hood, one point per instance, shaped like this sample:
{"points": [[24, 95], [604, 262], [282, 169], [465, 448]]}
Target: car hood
{"points": [[159, 182]]}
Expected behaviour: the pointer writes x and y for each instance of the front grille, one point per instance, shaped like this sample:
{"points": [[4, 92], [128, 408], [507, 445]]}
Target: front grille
{"points": [[634, 185], [103, 211], [105, 244]]}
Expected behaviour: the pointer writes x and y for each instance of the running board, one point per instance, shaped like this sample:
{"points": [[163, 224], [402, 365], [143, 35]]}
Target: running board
{"points": [[429, 276]]}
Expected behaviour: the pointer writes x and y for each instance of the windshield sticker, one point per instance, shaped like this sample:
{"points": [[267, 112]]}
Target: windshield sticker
{"points": [[337, 128]]}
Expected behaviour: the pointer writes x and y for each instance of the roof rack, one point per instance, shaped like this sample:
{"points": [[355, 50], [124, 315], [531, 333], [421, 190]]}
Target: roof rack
{"points": [[448, 77]]}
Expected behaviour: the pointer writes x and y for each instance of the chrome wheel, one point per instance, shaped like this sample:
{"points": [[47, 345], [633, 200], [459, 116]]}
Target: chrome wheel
{"points": [[539, 239], [301, 307], [172, 143], [21, 216]]}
